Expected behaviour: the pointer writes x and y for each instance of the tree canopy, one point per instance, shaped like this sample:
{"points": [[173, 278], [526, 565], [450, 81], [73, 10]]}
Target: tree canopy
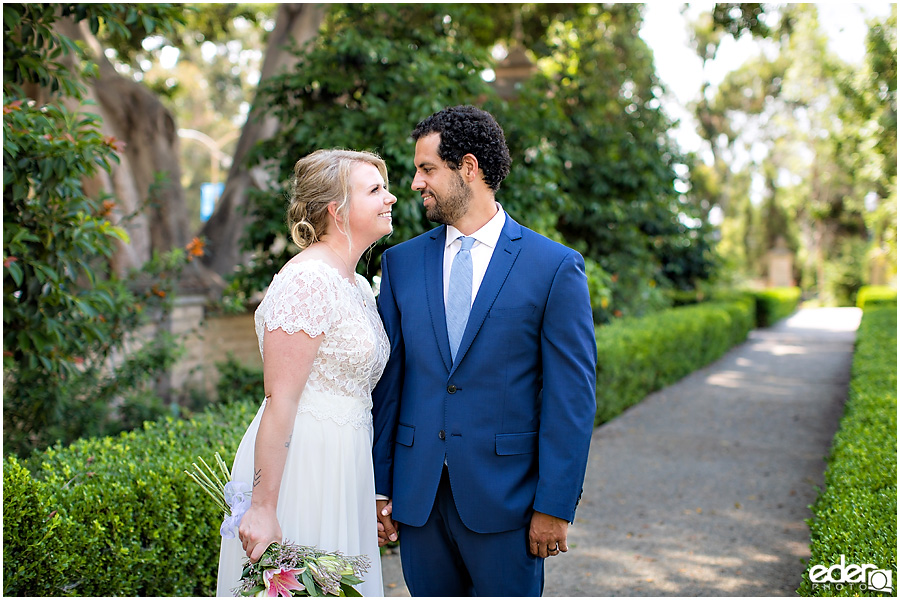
{"points": [[66, 313], [821, 135], [593, 165]]}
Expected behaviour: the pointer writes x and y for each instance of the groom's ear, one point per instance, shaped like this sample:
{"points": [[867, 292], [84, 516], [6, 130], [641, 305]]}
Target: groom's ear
{"points": [[469, 168]]}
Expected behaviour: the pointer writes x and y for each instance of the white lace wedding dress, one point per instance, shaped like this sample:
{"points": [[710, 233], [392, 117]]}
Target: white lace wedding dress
{"points": [[327, 496]]}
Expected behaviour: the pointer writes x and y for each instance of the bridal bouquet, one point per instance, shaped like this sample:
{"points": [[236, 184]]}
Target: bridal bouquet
{"points": [[284, 569]]}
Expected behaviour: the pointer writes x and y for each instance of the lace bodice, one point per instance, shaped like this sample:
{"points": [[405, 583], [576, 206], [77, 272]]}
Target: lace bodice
{"points": [[312, 296]]}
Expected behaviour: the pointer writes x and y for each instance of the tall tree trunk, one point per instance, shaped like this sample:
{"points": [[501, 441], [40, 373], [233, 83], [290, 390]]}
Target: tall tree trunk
{"points": [[295, 23], [146, 184]]}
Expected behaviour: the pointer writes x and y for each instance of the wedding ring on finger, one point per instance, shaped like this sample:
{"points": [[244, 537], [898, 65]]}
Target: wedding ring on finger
{"points": [[553, 549]]}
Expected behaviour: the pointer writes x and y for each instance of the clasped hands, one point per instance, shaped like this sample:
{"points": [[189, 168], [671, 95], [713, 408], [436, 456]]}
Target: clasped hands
{"points": [[546, 534], [387, 526]]}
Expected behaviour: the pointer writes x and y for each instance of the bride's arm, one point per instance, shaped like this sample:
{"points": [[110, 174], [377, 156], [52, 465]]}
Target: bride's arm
{"points": [[288, 360]]}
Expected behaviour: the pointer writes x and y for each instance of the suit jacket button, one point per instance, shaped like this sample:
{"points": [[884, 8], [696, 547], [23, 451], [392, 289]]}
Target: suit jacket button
{"points": [[442, 435], [451, 388]]}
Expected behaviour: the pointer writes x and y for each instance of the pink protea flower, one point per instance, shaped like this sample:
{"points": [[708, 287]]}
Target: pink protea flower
{"points": [[281, 580]]}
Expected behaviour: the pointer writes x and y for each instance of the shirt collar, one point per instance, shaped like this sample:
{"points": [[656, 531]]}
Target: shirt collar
{"points": [[487, 235]]}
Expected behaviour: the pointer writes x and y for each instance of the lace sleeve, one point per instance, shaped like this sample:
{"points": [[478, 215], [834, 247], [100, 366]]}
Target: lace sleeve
{"points": [[302, 298]]}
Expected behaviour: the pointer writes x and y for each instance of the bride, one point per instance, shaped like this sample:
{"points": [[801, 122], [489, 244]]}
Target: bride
{"points": [[308, 451]]}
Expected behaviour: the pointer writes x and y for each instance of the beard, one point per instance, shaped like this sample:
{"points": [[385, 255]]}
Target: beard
{"points": [[448, 209]]}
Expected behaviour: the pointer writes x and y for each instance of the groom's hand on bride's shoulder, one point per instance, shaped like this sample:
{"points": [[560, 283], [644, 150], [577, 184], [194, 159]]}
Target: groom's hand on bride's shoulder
{"points": [[387, 526]]}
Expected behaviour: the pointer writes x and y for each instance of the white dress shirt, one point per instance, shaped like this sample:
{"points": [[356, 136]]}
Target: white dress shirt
{"points": [[482, 250]]}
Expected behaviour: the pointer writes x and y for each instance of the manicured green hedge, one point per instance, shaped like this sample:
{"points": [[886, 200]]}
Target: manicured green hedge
{"points": [[774, 304], [876, 294], [640, 355], [117, 516], [855, 514]]}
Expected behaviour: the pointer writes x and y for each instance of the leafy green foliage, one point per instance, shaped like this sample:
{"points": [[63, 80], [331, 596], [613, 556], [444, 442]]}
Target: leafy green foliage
{"points": [[66, 316], [876, 294], [34, 525], [845, 272], [118, 515], [32, 49], [592, 116], [774, 304], [855, 514], [618, 167], [238, 383], [363, 83], [592, 166], [832, 125], [736, 18], [641, 355]]}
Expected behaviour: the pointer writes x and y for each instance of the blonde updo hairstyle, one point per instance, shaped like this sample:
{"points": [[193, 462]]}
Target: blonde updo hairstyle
{"points": [[319, 179]]}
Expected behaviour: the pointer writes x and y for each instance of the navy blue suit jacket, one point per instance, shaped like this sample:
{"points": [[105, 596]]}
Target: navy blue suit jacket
{"points": [[514, 414]]}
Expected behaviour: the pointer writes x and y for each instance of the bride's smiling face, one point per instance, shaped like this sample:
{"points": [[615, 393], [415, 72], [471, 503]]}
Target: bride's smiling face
{"points": [[370, 204]]}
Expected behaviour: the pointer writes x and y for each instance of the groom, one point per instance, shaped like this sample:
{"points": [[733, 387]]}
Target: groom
{"points": [[484, 414]]}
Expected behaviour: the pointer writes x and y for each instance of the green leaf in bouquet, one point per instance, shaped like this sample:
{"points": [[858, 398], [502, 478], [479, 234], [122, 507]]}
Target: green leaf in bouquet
{"points": [[254, 590], [310, 583], [349, 591]]}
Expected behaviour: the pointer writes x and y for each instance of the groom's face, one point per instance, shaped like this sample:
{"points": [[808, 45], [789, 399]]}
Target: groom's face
{"points": [[445, 194]]}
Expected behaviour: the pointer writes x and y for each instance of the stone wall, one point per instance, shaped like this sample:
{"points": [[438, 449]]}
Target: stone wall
{"points": [[209, 338]]}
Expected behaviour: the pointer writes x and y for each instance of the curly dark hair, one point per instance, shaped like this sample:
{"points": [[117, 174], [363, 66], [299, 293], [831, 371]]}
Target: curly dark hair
{"points": [[469, 130]]}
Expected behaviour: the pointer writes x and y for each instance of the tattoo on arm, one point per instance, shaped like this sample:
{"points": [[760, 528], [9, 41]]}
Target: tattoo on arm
{"points": [[257, 477], [287, 444]]}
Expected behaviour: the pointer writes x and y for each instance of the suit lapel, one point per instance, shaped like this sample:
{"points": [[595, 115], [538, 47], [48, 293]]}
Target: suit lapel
{"points": [[434, 291], [508, 247]]}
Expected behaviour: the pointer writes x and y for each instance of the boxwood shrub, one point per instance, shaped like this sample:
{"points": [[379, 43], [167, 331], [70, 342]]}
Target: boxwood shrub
{"points": [[855, 514], [117, 516], [876, 294], [771, 304], [774, 304], [640, 355]]}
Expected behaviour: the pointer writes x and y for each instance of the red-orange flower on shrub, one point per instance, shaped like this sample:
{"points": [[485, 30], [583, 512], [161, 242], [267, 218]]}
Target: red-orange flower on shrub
{"points": [[12, 106], [115, 143], [195, 248], [108, 205]]}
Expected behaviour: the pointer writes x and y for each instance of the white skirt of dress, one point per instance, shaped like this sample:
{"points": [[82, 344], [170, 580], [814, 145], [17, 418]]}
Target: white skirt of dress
{"points": [[327, 496]]}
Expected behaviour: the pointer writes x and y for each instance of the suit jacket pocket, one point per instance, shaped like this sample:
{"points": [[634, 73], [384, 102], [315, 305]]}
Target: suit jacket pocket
{"points": [[516, 443], [518, 312], [405, 434]]}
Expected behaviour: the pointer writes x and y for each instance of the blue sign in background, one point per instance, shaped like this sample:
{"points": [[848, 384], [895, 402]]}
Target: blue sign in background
{"points": [[209, 193]]}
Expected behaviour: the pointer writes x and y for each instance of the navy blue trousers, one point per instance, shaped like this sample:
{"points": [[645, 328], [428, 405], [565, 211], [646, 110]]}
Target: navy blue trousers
{"points": [[445, 558]]}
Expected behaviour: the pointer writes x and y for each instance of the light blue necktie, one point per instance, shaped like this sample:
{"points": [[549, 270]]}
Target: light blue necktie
{"points": [[459, 294]]}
